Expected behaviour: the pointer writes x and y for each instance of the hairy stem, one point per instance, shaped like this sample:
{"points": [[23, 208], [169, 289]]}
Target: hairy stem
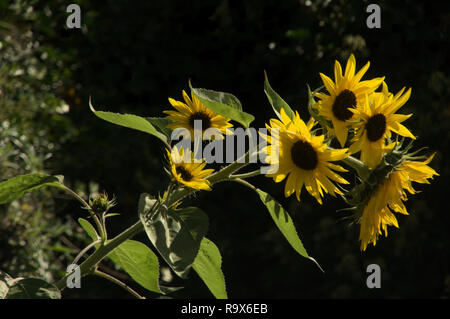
{"points": [[247, 175], [89, 265], [118, 282], [85, 250], [99, 225]]}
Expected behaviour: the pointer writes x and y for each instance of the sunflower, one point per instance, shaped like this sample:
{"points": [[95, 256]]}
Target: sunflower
{"points": [[348, 91], [187, 113], [378, 119], [185, 169], [303, 158], [388, 198]]}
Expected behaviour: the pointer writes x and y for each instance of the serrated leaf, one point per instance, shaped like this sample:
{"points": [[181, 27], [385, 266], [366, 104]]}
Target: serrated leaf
{"points": [[284, 223], [222, 103], [139, 262], [18, 186], [131, 121], [275, 100], [88, 228], [175, 234], [208, 265], [33, 288]]}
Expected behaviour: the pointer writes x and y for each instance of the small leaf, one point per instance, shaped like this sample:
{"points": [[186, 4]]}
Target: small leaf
{"points": [[139, 262], [275, 100], [5, 282], [131, 121], [224, 104], [175, 234], [33, 288], [284, 223], [89, 229], [18, 186], [208, 265]]}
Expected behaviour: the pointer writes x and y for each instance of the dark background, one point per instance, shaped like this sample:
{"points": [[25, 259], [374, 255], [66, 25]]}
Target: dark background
{"points": [[130, 56]]}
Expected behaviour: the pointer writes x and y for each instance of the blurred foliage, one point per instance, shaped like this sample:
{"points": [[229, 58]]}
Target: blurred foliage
{"points": [[130, 57], [32, 128]]}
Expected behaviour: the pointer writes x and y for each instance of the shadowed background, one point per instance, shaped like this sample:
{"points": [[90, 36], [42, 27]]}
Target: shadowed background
{"points": [[131, 56]]}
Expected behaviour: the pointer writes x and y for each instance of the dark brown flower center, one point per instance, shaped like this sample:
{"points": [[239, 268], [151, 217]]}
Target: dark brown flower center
{"points": [[185, 174], [375, 127], [304, 155], [345, 100], [200, 116]]}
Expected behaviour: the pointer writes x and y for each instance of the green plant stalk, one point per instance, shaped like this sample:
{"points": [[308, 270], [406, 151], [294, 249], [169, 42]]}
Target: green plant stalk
{"points": [[89, 264], [85, 250], [247, 175], [245, 183], [100, 227], [357, 165], [118, 282]]}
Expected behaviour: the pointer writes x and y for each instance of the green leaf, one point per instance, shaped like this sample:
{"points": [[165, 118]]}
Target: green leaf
{"points": [[208, 265], [160, 123], [224, 104], [284, 223], [176, 234], [131, 121], [139, 262], [18, 186], [275, 100], [33, 288], [5, 282], [89, 229]]}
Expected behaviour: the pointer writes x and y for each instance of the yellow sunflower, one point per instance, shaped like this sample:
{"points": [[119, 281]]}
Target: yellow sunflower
{"points": [[187, 113], [348, 91], [302, 158], [185, 169], [378, 119], [389, 196]]}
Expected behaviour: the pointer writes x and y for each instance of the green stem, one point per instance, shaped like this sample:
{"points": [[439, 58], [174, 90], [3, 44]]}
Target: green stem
{"points": [[89, 264], [225, 173], [245, 183], [247, 175], [357, 165], [99, 225], [85, 250], [118, 282]]}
